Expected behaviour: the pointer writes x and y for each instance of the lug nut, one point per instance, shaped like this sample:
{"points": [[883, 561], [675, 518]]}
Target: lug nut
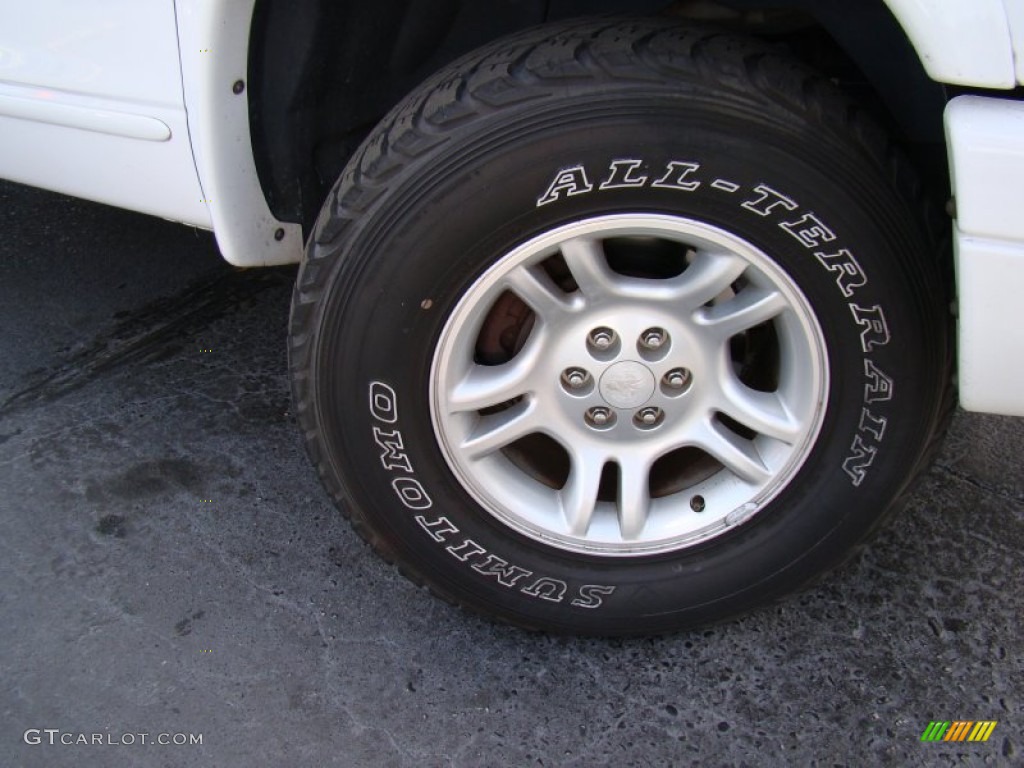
{"points": [[649, 417], [602, 338], [599, 417], [575, 378], [653, 338], [677, 378]]}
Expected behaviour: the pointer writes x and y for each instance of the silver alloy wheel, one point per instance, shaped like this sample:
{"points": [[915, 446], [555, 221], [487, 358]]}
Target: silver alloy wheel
{"points": [[637, 412]]}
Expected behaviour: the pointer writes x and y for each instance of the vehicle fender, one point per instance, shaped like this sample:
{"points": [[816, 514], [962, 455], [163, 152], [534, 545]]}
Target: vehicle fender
{"points": [[962, 43], [214, 43]]}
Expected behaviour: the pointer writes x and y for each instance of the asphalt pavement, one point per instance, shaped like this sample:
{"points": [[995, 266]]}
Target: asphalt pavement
{"points": [[170, 568]]}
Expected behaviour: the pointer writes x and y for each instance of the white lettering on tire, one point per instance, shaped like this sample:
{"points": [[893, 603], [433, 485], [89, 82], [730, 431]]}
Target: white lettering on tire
{"points": [[809, 231], [436, 529], [849, 275], [872, 320], [506, 574], [572, 181], [874, 425], [768, 200], [590, 595], [623, 175], [383, 403], [675, 175], [465, 550], [861, 457], [392, 456], [411, 493], [878, 387], [552, 590]]}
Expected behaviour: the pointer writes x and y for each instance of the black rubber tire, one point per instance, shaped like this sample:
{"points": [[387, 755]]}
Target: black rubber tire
{"points": [[450, 182]]}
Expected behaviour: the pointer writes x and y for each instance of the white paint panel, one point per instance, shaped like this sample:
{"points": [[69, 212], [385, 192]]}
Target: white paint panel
{"points": [[986, 143], [115, 49], [155, 177], [961, 42], [91, 104], [990, 282], [214, 37], [1015, 16], [986, 147]]}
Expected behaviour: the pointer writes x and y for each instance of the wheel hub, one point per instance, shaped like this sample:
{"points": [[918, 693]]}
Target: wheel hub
{"points": [[627, 384]]}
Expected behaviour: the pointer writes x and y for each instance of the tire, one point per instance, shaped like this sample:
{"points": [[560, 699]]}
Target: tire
{"points": [[618, 328]]}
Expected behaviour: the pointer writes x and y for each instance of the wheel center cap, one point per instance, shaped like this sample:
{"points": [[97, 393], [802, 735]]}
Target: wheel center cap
{"points": [[627, 384]]}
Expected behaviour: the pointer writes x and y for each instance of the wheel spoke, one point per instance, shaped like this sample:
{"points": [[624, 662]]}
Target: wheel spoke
{"points": [[706, 277], [586, 261], [738, 455], [763, 412], [634, 496], [750, 307], [579, 496], [539, 291], [496, 430], [484, 386]]}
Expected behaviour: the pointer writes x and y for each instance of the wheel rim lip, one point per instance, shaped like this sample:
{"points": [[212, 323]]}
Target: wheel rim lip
{"points": [[681, 229]]}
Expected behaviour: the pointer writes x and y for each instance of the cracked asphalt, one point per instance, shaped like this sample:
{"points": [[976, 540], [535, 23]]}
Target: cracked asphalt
{"points": [[170, 565]]}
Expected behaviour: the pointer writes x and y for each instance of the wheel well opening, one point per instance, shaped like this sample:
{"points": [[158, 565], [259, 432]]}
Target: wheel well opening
{"points": [[322, 74]]}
